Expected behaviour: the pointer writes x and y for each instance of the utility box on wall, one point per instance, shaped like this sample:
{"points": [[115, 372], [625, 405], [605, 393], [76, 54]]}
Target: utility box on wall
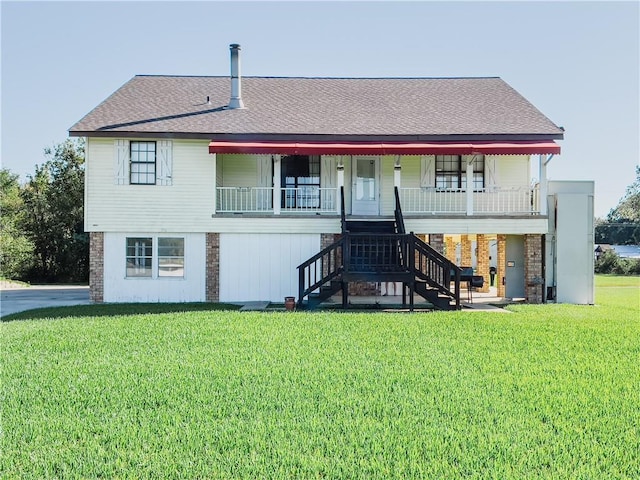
{"points": [[570, 242]]}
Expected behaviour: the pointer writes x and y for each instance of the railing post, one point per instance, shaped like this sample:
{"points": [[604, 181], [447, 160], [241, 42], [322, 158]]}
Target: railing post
{"points": [[346, 251], [469, 175], [542, 194], [215, 185], [340, 184], [300, 285], [277, 194]]}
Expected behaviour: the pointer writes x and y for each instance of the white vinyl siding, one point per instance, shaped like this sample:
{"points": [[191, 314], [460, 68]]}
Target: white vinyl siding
{"points": [[260, 266], [117, 206], [511, 170], [240, 170]]}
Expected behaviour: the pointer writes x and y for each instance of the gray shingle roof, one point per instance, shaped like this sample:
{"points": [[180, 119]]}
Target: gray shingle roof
{"points": [[369, 107]]}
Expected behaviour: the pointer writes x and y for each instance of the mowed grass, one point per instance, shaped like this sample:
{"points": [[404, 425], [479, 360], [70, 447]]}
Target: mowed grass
{"points": [[547, 391]]}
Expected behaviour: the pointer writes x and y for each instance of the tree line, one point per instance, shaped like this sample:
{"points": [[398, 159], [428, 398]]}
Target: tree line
{"points": [[42, 237]]}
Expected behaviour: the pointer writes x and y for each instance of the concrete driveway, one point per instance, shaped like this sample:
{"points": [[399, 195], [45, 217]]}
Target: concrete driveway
{"points": [[14, 300]]}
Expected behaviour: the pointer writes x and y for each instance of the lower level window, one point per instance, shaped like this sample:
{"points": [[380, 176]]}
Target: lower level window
{"points": [[170, 257], [164, 255], [139, 257]]}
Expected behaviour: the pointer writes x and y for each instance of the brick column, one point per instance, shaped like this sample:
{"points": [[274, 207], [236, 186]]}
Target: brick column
{"points": [[450, 249], [96, 267], [465, 257], [327, 239], [501, 264], [213, 267], [482, 243], [436, 240], [533, 268]]}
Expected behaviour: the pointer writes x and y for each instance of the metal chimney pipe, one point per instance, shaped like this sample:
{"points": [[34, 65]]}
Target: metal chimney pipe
{"points": [[236, 88]]}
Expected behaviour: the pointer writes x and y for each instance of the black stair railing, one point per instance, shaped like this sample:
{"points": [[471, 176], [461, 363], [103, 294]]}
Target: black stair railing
{"points": [[436, 269], [320, 269], [398, 213], [343, 216]]}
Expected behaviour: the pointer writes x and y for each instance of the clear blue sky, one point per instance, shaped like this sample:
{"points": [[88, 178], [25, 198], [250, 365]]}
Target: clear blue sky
{"points": [[578, 62]]}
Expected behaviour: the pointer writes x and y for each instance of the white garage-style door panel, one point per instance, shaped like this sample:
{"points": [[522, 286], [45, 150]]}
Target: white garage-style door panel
{"points": [[256, 267]]}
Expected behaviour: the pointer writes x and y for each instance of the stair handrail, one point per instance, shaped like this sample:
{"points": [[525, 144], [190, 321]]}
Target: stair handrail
{"points": [[343, 218], [448, 269], [304, 270], [398, 213]]}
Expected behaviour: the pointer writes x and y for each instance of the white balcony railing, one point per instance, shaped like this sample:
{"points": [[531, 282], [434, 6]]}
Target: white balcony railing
{"points": [[495, 201], [244, 199], [307, 199], [516, 200]]}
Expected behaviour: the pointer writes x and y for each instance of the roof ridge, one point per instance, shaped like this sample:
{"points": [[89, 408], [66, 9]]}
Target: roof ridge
{"points": [[318, 77]]}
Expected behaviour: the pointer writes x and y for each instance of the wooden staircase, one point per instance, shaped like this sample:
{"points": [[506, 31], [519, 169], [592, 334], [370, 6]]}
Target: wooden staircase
{"points": [[379, 250]]}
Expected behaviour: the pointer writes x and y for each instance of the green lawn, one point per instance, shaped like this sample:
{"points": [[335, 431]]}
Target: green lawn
{"points": [[545, 392]]}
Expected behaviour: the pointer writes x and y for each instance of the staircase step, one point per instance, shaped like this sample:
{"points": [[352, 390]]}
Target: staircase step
{"points": [[371, 226], [433, 296]]}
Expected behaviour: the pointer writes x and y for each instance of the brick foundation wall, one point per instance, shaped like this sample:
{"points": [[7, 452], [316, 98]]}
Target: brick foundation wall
{"points": [[533, 268], [96, 267], [450, 249], [213, 267], [465, 257], [482, 254], [436, 240], [501, 264]]}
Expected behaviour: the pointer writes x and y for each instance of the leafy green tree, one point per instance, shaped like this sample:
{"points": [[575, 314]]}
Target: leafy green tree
{"points": [[628, 209], [16, 250], [54, 198], [622, 225]]}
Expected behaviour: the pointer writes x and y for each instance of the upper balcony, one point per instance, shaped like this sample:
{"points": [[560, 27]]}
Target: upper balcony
{"points": [[504, 200], [446, 185]]}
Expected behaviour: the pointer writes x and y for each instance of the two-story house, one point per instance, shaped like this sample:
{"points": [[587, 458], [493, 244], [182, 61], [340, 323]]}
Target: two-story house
{"points": [[218, 188]]}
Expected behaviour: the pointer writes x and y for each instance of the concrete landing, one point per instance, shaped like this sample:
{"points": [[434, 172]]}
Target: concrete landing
{"points": [[254, 307]]}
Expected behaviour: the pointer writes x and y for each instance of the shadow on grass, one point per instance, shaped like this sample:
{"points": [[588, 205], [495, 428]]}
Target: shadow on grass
{"points": [[114, 309]]}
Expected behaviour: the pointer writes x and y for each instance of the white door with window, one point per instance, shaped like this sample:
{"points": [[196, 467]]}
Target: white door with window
{"points": [[365, 186]]}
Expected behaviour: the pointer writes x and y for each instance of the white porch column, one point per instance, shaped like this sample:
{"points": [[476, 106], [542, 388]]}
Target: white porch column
{"points": [[276, 184], [397, 170], [542, 194], [339, 183], [215, 184], [469, 174]]}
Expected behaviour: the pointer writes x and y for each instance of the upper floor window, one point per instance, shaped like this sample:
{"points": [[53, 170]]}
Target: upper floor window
{"points": [[143, 163], [451, 172]]}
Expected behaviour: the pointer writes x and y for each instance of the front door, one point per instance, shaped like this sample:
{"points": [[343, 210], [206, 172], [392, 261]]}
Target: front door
{"points": [[514, 275], [365, 186]]}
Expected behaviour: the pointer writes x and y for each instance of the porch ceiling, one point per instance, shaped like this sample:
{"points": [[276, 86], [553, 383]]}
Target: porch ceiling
{"points": [[389, 148]]}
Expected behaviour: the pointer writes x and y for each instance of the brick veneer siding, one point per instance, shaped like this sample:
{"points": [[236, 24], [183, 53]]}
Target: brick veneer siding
{"points": [[213, 267], [450, 249], [96, 267], [436, 240], [465, 257], [482, 254], [533, 268], [501, 264]]}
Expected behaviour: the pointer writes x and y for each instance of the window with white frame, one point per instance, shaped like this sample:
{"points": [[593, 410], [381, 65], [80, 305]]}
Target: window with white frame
{"points": [[170, 257], [143, 163], [139, 257], [451, 172], [154, 257]]}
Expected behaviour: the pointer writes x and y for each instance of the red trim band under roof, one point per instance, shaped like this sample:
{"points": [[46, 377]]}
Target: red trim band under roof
{"points": [[370, 148]]}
